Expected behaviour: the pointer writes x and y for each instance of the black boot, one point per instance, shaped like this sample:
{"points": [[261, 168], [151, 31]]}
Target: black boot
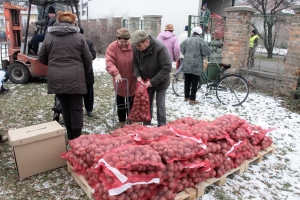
{"points": [[76, 133], [69, 132]]}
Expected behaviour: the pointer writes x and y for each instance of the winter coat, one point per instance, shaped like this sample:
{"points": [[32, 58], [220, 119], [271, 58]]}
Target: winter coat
{"points": [[171, 42], [67, 55], [205, 17], [193, 49], [45, 22], [153, 63], [119, 61], [90, 80]]}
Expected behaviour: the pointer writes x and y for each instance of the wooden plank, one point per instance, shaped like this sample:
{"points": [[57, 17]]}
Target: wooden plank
{"points": [[200, 188], [182, 196], [86, 188], [270, 149]]}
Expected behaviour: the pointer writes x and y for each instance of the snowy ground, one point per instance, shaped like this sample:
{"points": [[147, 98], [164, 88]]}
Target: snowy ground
{"points": [[277, 177]]}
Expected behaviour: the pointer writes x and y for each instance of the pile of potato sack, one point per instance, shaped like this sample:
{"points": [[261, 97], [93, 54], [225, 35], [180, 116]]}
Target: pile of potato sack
{"points": [[140, 162]]}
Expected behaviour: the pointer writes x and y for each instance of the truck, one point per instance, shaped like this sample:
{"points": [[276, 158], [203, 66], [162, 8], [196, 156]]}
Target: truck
{"points": [[22, 65]]}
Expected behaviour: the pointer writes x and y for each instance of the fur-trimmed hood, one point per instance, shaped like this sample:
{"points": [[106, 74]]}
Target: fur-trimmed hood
{"points": [[63, 29]]}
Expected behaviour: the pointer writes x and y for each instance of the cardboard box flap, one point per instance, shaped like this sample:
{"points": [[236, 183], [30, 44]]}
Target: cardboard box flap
{"points": [[35, 133]]}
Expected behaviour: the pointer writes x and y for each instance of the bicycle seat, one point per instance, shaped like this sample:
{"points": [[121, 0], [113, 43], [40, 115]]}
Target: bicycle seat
{"points": [[226, 66]]}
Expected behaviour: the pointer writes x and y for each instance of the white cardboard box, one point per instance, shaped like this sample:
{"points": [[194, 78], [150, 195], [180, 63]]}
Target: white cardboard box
{"points": [[37, 148]]}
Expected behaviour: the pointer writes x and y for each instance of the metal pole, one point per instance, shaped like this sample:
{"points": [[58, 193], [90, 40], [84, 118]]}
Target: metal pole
{"points": [[27, 28], [81, 8]]}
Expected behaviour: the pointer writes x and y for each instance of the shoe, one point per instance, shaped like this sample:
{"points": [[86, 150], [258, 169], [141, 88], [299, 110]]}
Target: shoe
{"points": [[193, 102], [32, 52], [4, 138], [89, 114], [175, 75], [121, 124], [4, 91], [186, 99]]}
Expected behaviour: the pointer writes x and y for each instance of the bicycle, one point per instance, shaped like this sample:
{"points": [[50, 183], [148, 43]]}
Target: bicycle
{"points": [[231, 89]]}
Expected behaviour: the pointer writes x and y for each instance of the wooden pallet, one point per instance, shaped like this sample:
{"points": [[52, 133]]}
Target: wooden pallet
{"points": [[200, 187], [260, 156], [81, 181], [189, 193]]}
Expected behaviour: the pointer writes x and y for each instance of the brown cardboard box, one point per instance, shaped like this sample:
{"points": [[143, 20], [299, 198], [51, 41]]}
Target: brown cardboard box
{"points": [[37, 148]]}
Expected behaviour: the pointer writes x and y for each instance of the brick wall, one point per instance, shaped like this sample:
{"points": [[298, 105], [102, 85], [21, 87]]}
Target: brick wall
{"points": [[289, 82]]}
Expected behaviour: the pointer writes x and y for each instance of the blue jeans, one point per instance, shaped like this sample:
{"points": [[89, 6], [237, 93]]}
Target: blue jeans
{"points": [[160, 106], [36, 40], [178, 71]]}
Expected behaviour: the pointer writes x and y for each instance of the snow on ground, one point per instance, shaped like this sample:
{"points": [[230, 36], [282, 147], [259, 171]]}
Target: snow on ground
{"points": [[277, 177]]}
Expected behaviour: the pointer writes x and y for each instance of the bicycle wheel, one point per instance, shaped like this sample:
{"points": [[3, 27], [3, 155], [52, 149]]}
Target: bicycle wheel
{"points": [[232, 90], [178, 85]]}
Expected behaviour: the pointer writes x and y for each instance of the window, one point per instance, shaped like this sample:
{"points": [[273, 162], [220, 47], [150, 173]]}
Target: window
{"points": [[2, 22]]}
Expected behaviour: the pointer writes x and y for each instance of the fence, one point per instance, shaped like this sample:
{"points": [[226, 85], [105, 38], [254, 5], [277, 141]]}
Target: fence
{"points": [[270, 54]]}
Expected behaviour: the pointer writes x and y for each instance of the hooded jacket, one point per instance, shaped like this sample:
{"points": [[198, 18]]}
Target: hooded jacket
{"points": [[153, 63], [171, 42], [67, 55]]}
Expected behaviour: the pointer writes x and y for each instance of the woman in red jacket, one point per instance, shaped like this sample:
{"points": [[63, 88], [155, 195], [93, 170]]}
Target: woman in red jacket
{"points": [[119, 64]]}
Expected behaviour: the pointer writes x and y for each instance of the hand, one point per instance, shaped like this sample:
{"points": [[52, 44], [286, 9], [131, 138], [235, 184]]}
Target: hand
{"points": [[139, 79], [118, 78], [148, 84]]}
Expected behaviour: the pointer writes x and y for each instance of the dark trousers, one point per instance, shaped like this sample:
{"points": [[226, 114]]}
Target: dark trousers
{"points": [[89, 99], [122, 104], [71, 105], [160, 106], [190, 79], [36, 40]]}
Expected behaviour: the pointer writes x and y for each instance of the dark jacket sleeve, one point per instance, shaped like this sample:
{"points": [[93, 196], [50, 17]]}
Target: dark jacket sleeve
{"points": [[86, 56], [42, 22], [42, 53], [137, 72], [165, 66], [91, 48]]}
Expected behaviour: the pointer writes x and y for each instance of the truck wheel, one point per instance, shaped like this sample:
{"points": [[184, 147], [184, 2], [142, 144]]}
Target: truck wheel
{"points": [[18, 73]]}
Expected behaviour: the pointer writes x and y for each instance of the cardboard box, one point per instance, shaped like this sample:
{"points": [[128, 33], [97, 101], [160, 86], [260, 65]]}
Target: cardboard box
{"points": [[37, 148]]}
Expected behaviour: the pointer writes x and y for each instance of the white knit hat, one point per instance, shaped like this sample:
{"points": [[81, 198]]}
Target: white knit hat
{"points": [[197, 30]]}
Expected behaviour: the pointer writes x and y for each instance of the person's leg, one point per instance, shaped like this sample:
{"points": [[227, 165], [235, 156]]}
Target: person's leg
{"points": [[179, 70], [121, 110], [151, 97], [76, 113], [37, 38], [187, 85], [64, 103], [195, 81], [89, 100], [161, 108]]}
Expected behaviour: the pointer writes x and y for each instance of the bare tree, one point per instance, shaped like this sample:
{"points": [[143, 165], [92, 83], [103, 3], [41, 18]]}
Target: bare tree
{"points": [[271, 10]]}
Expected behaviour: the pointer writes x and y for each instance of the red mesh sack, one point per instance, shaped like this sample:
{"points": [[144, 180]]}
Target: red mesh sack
{"points": [[140, 111], [127, 130], [149, 134], [174, 148], [129, 165], [228, 122]]}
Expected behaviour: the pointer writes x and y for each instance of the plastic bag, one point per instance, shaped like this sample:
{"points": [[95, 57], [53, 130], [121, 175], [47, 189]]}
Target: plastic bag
{"points": [[140, 111]]}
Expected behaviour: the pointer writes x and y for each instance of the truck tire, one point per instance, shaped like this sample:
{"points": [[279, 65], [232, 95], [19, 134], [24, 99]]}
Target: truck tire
{"points": [[18, 73]]}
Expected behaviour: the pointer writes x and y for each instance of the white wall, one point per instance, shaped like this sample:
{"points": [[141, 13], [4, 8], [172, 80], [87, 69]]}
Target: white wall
{"points": [[174, 11]]}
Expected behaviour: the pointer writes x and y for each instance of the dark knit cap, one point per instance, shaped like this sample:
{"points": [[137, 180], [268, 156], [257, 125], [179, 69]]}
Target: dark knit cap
{"points": [[51, 10]]}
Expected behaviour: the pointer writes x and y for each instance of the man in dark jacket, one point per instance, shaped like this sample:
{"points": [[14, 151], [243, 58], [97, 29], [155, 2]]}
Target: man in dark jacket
{"points": [[67, 55], [46, 22], [89, 96], [151, 61]]}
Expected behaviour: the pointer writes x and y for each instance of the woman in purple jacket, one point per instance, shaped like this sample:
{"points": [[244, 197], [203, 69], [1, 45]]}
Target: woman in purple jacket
{"points": [[170, 41]]}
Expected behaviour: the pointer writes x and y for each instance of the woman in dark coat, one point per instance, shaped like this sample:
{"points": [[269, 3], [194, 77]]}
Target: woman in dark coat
{"points": [[68, 58]]}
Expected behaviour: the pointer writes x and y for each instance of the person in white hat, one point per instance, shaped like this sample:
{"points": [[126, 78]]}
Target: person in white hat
{"points": [[193, 49]]}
